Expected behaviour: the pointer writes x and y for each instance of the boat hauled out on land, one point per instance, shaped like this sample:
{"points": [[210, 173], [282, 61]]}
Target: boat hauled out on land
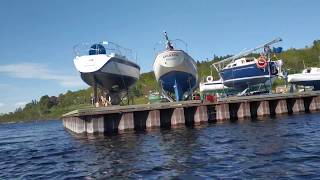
{"points": [[246, 72], [308, 77], [243, 73], [106, 66], [212, 85], [176, 72]]}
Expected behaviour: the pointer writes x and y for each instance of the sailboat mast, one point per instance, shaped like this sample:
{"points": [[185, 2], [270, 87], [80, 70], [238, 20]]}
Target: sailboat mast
{"points": [[168, 42]]}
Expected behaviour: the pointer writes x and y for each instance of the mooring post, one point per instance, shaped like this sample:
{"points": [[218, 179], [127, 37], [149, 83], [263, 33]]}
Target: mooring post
{"points": [[278, 107], [281, 107], [177, 116], [314, 104], [75, 124], [146, 119], [126, 122], [81, 125], [222, 111], [243, 110], [298, 106], [153, 119], [93, 124], [263, 109], [201, 114]]}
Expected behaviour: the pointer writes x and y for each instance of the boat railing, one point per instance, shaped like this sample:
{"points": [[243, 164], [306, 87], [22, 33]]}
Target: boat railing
{"points": [[110, 48], [178, 44], [266, 51]]}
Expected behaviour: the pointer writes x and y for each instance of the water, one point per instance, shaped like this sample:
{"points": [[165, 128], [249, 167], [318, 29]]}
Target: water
{"points": [[287, 147]]}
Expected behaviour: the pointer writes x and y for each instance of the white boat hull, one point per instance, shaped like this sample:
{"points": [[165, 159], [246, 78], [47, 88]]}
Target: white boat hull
{"points": [[176, 72], [212, 86], [114, 74], [305, 79]]}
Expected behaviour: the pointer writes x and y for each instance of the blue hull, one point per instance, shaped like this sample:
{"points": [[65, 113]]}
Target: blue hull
{"points": [[241, 77], [178, 83]]}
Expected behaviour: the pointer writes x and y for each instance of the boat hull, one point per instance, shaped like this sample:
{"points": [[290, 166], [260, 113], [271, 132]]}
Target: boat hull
{"points": [[212, 86], [108, 81], [115, 75], [242, 77], [305, 80], [176, 72]]}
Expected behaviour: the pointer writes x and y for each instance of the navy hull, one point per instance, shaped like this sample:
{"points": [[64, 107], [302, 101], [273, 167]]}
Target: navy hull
{"points": [[176, 72], [241, 77], [178, 82]]}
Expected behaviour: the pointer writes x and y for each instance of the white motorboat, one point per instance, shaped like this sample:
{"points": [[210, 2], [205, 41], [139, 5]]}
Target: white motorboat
{"points": [[106, 66], [308, 77], [211, 85]]}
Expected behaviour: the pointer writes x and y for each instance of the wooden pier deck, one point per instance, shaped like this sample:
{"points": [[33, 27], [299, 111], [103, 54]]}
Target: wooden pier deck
{"points": [[141, 117]]}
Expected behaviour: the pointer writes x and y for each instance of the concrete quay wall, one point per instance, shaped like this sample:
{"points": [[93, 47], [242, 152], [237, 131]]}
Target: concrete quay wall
{"points": [[184, 113]]}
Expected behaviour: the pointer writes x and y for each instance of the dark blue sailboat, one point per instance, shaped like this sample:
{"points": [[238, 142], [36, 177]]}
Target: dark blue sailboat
{"points": [[241, 72]]}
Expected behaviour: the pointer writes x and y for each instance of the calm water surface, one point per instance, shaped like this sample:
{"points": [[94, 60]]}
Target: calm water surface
{"points": [[286, 147]]}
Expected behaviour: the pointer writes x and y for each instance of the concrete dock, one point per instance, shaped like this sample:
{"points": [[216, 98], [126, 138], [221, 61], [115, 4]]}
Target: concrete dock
{"points": [[143, 117]]}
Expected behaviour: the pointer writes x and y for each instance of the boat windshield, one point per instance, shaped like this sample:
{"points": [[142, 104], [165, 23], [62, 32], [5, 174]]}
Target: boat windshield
{"points": [[104, 47], [249, 59]]}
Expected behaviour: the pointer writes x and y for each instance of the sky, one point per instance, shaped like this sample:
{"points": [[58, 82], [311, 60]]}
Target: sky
{"points": [[37, 36]]}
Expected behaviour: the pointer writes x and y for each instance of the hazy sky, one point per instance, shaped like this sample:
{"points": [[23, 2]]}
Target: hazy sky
{"points": [[37, 36]]}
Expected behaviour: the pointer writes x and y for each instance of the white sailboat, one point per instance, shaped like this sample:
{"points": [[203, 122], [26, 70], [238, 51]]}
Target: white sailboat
{"points": [[176, 72]]}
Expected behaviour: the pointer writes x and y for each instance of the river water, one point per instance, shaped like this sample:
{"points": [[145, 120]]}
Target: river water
{"points": [[286, 147]]}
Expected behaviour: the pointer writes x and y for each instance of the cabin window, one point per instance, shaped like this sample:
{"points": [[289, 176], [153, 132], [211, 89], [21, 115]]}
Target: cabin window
{"points": [[233, 65], [308, 70]]}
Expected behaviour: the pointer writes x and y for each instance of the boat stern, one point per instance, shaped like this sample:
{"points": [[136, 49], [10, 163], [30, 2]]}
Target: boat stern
{"points": [[90, 63]]}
